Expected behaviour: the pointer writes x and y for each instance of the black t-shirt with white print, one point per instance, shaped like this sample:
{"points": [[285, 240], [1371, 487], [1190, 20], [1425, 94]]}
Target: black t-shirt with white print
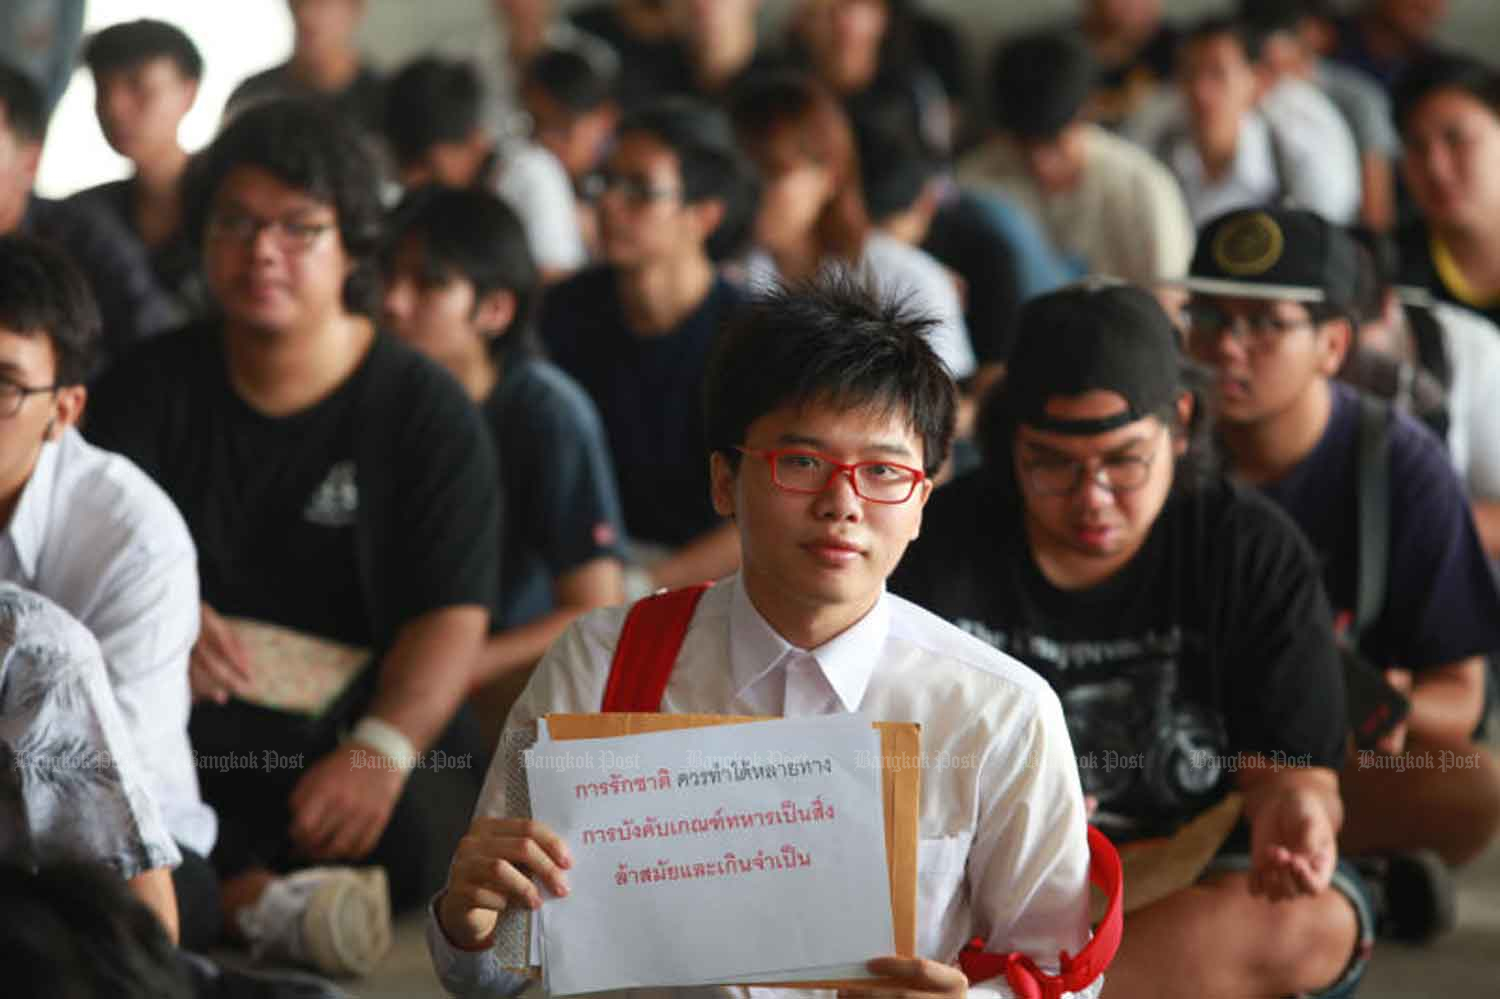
{"points": [[272, 502], [1214, 640]]}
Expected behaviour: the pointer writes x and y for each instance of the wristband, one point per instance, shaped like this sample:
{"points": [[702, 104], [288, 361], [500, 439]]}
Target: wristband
{"points": [[387, 740]]}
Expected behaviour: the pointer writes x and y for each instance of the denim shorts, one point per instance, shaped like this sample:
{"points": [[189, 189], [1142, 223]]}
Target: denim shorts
{"points": [[1347, 882]]}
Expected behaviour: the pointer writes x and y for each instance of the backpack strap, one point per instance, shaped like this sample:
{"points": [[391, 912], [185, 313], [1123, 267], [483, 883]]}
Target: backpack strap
{"points": [[1280, 163], [1021, 973], [1374, 513], [1427, 339], [647, 649]]}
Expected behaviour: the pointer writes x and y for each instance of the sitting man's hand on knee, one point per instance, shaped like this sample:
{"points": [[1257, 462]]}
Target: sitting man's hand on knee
{"points": [[1294, 815]]}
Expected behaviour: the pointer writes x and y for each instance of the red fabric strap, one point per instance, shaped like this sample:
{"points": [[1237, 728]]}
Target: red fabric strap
{"points": [[1027, 980], [647, 649]]}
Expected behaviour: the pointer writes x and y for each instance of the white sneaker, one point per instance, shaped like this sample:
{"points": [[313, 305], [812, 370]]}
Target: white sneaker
{"points": [[334, 919]]}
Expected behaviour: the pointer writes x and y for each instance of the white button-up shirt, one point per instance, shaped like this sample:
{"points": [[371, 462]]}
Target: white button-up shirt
{"points": [[1003, 853], [93, 533]]}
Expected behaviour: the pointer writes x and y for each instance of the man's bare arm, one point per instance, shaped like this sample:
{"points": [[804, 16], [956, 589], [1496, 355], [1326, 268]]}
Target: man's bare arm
{"points": [[343, 802], [596, 583], [1447, 701], [425, 676], [1487, 523], [154, 889], [711, 555]]}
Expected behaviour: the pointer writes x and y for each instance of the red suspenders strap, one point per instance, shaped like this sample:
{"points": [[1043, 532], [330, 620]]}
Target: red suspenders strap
{"points": [[1028, 981], [647, 649]]}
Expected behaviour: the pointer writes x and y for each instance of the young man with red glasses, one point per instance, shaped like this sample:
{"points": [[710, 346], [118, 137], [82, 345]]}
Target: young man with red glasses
{"points": [[827, 413], [1181, 621]]}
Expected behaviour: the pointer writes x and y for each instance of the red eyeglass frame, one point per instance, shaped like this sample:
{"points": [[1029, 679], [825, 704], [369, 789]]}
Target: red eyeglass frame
{"points": [[771, 454]]}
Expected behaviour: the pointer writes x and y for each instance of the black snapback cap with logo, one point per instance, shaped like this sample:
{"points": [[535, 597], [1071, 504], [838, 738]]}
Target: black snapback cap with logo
{"points": [[1277, 253]]}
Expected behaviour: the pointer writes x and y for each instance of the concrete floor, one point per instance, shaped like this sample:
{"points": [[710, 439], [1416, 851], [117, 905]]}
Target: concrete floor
{"points": [[1464, 964]]}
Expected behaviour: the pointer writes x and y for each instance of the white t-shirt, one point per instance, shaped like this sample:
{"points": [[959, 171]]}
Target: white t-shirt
{"points": [[897, 268], [1125, 218], [1319, 143], [534, 184], [1473, 346], [1002, 846], [93, 533], [1312, 162]]}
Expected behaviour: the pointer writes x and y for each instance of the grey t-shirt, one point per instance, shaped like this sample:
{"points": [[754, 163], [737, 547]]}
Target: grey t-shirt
{"points": [[70, 782]]}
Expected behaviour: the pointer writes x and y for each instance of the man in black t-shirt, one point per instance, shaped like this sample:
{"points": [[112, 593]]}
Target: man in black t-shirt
{"points": [[146, 75], [338, 487], [461, 286], [1273, 291], [637, 332], [1181, 622], [325, 65], [119, 274]]}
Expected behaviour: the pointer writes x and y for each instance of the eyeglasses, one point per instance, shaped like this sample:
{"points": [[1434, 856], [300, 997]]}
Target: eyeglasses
{"points": [[291, 235], [1058, 476], [808, 473], [13, 396], [637, 191], [1207, 323]]}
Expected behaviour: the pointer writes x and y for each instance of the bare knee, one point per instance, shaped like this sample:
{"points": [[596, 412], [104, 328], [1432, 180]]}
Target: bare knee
{"points": [[1443, 797], [1475, 813], [1308, 942], [1215, 938], [1295, 946]]}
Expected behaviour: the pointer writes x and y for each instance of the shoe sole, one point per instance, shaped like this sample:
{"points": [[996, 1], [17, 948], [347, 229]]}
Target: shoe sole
{"points": [[347, 927]]}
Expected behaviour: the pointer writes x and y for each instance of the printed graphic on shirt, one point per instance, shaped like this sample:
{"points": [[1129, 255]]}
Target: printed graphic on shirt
{"points": [[336, 500], [60, 749], [1151, 757]]}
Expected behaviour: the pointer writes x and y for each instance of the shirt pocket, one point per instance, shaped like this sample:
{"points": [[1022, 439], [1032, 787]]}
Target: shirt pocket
{"points": [[942, 897]]}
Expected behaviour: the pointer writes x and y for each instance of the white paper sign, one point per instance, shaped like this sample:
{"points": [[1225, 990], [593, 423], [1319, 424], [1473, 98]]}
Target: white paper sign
{"points": [[714, 854]]}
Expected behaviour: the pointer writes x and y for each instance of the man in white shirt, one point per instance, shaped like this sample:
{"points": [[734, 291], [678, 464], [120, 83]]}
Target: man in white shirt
{"points": [[1460, 349], [827, 414], [1239, 148], [1101, 199], [434, 123], [89, 530], [1290, 30]]}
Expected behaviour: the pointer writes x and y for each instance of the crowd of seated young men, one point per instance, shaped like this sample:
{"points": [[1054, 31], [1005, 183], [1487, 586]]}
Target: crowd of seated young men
{"points": [[349, 435]]}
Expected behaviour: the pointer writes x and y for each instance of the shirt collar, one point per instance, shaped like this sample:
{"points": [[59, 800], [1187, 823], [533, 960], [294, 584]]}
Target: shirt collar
{"points": [[847, 660], [28, 524]]}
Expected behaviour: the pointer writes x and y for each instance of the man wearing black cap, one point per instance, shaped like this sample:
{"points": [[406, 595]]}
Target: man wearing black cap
{"points": [[1272, 291], [1181, 621], [1101, 199]]}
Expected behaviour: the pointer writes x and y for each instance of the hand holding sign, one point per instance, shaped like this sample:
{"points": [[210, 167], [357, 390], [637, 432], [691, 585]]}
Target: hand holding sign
{"points": [[492, 871]]}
